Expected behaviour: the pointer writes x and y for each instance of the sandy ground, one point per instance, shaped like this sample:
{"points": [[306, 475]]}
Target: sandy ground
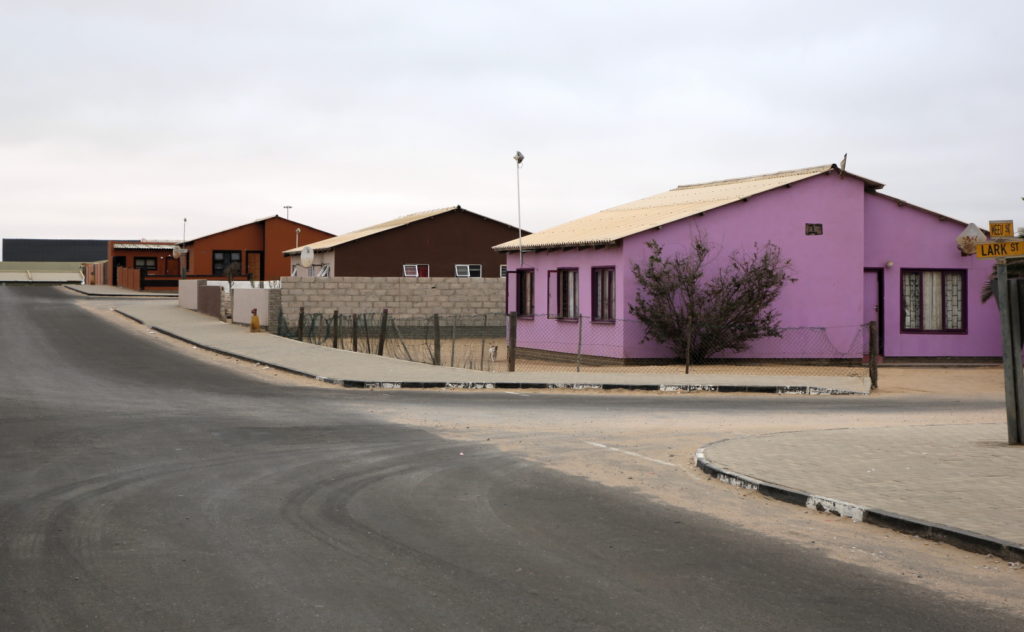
{"points": [[651, 454], [491, 354]]}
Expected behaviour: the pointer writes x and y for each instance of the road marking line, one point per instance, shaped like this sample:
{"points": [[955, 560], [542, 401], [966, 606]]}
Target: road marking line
{"points": [[640, 456]]}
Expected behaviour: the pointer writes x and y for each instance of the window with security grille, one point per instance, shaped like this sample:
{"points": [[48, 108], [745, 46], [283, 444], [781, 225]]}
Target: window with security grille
{"points": [[524, 292], [567, 293], [603, 294], [933, 300], [145, 263]]}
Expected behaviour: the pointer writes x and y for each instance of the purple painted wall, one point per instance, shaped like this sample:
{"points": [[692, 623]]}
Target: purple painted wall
{"points": [[914, 238], [823, 312]]}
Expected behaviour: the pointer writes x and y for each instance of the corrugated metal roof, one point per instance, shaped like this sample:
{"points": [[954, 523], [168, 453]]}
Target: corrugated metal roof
{"points": [[143, 245], [608, 226], [332, 242]]}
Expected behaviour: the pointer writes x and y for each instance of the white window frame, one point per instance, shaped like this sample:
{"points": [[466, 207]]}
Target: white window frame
{"points": [[465, 270], [415, 269], [503, 270]]}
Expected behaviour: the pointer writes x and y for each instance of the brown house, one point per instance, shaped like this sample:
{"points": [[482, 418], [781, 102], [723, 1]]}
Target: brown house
{"points": [[155, 257], [448, 242], [249, 251]]}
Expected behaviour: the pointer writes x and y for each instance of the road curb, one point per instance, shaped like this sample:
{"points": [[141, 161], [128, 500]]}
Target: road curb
{"points": [[960, 538], [486, 384]]}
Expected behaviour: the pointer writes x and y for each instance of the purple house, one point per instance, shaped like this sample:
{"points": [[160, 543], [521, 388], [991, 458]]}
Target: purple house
{"points": [[858, 256]]}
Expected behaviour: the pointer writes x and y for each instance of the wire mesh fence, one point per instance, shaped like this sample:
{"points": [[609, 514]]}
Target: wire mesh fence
{"points": [[502, 342]]}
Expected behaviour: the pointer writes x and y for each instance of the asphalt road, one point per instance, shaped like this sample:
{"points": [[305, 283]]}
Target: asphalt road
{"points": [[143, 490]]}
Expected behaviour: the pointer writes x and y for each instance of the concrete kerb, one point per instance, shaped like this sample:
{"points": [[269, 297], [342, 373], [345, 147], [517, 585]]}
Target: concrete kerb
{"points": [[960, 538]]}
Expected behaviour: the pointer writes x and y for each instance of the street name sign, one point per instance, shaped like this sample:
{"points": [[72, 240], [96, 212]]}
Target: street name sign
{"points": [[992, 249], [1001, 228]]}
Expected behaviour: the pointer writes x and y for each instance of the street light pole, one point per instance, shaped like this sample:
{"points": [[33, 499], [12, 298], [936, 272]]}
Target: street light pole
{"points": [[287, 211], [519, 208]]}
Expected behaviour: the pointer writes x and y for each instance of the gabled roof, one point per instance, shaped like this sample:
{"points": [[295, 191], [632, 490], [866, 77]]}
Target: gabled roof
{"points": [[144, 245], [258, 221], [405, 220], [607, 227]]}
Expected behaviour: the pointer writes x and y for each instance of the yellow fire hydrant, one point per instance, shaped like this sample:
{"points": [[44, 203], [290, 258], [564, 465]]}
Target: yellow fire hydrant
{"points": [[254, 323]]}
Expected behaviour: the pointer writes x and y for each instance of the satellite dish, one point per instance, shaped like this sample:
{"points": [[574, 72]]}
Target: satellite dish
{"points": [[306, 257], [176, 252]]}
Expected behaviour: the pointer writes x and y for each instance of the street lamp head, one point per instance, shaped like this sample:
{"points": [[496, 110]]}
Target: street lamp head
{"points": [[518, 157]]}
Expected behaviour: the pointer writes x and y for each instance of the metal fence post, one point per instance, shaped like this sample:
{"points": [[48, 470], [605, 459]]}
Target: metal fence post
{"points": [[579, 342], [1007, 295], [383, 331], [873, 353], [355, 332], [302, 318], [437, 340], [335, 325], [513, 319]]}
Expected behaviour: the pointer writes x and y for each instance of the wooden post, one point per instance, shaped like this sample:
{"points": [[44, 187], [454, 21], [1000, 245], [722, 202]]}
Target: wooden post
{"points": [[355, 332], [873, 353], [437, 340], [513, 319], [302, 317], [453, 342], [335, 324], [1008, 295], [483, 341], [383, 331]]}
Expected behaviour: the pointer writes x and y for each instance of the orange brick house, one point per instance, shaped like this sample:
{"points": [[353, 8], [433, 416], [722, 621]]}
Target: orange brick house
{"points": [[249, 251]]}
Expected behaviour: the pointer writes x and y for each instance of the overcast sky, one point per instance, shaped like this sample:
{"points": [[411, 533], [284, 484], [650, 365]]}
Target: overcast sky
{"points": [[119, 118]]}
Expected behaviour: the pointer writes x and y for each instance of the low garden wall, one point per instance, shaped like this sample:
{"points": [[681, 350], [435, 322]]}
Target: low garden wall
{"points": [[402, 297]]}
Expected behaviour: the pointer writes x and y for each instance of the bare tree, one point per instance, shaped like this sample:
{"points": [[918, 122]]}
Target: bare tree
{"points": [[699, 315]]}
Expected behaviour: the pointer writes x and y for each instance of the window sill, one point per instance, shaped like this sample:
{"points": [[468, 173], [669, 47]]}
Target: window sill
{"points": [[603, 321], [933, 332]]}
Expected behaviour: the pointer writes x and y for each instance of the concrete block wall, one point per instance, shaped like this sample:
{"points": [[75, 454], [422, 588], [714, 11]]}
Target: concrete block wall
{"points": [[403, 297], [244, 300], [188, 293]]}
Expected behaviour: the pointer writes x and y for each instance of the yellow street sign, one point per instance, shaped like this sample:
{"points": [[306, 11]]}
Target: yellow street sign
{"points": [[1001, 228], [990, 249]]}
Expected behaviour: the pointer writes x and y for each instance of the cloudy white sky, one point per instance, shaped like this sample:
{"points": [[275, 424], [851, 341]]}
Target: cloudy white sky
{"points": [[119, 118]]}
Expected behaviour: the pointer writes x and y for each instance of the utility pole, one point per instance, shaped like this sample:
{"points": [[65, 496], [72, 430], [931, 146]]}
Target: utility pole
{"points": [[519, 208]]}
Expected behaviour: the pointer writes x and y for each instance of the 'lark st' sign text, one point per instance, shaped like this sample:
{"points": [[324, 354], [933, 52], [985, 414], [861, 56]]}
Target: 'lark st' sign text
{"points": [[990, 249]]}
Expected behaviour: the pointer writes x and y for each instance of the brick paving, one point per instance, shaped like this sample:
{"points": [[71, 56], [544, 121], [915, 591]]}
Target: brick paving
{"points": [[960, 476]]}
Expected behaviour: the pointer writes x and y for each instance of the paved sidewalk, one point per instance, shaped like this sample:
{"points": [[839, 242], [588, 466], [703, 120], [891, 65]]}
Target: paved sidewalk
{"points": [[363, 370], [956, 483], [113, 291]]}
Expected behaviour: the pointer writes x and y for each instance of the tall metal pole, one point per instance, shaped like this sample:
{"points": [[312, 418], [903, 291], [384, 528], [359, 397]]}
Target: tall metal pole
{"points": [[519, 208], [1007, 295], [287, 210]]}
